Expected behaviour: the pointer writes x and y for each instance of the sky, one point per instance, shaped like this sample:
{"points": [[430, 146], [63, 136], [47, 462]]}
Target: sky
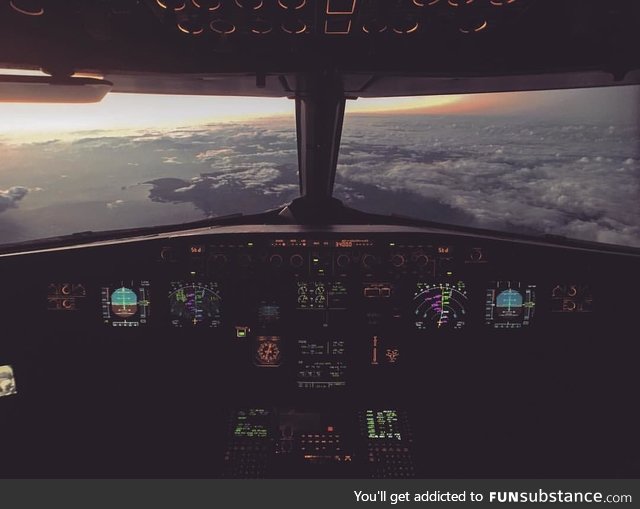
{"points": [[122, 112]]}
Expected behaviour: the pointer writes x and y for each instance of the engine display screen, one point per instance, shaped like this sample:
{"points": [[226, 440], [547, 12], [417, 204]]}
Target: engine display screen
{"points": [[195, 304], [322, 295], [510, 305], [126, 303], [321, 364]]}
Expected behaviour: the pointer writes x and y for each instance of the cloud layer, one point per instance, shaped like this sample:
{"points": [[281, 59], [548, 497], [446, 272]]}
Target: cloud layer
{"points": [[579, 180], [10, 197]]}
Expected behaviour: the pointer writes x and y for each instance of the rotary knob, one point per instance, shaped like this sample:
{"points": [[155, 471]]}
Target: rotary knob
{"points": [[276, 261], [368, 261], [422, 260], [296, 261], [397, 260], [343, 261], [476, 255]]}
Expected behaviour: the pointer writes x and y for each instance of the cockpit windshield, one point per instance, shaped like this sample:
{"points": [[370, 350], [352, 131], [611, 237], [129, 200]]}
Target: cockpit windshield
{"points": [[552, 162], [563, 162], [138, 160]]}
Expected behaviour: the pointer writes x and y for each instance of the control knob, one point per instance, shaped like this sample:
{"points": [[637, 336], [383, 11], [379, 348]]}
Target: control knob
{"points": [[296, 261], [397, 260]]}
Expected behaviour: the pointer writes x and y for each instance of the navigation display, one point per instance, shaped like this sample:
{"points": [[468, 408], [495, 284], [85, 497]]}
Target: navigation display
{"points": [[510, 305], [195, 304], [440, 305], [126, 303]]}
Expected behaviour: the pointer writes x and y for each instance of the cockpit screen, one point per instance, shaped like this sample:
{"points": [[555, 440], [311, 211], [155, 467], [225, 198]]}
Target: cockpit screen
{"points": [[383, 424], [268, 353], [125, 303], [440, 305], [322, 295], [268, 312], [510, 305], [252, 423], [195, 304], [321, 364], [7, 381]]}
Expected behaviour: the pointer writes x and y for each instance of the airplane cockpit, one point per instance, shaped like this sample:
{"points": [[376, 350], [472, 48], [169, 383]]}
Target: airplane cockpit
{"points": [[422, 262]]}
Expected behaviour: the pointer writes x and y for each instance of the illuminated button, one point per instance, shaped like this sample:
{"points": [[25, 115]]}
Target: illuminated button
{"points": [[385, 292], [372, 292], [260, 27], [292, 4], [27, 7], [294, 26], [341, 6], [210, 5], [191, 27], [337, 25], [474, 27], [253, 5], [406, 25], [242, 331], [374, 26], [172, 5], [222, 26]]}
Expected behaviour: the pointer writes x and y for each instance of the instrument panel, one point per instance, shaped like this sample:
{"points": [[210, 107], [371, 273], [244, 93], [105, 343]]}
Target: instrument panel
{"points": [[255, 284], [320, 354]]}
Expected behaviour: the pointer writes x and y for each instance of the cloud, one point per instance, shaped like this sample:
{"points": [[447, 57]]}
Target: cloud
{"points": [[580, 181], [213, 153], [11, 197], [115, 204]]}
